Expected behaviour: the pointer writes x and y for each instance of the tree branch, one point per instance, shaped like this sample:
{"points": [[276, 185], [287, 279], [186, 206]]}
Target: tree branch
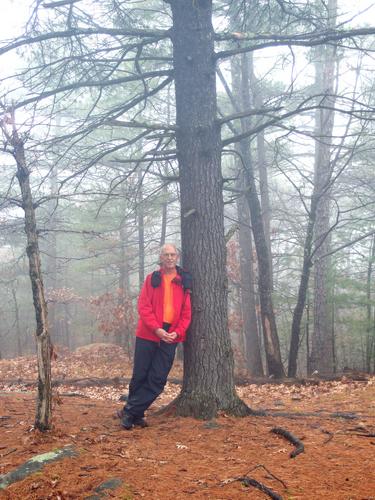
{"points": [[88, 84], [250, 112], [76, 32], [303, 40], [345, 245]]}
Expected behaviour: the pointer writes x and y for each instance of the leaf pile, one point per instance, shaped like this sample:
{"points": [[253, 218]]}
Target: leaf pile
{"points": [[102, 362]]}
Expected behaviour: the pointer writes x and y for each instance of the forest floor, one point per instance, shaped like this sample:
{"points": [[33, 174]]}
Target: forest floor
{"points": [[181, 458]]}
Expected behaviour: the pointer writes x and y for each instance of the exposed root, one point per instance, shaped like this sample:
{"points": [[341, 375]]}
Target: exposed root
{"points": [[206, 408]]}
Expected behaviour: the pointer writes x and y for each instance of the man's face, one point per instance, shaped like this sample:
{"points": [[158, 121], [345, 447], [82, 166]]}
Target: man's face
{"points": [[168, 258]]}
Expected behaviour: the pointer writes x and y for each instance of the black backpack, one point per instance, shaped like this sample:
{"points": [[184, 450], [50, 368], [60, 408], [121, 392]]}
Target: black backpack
{"points": [[186, 278]]}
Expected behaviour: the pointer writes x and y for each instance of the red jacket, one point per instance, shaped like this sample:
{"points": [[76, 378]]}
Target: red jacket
{"points": [[150, 309]]}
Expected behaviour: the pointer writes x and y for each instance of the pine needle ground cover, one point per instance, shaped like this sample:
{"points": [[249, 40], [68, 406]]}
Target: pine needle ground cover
{"points": [[178, 458]]}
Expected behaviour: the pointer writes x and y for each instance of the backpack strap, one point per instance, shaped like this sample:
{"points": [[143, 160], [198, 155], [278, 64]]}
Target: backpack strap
{"points": [[156, 279], [186, 278]]}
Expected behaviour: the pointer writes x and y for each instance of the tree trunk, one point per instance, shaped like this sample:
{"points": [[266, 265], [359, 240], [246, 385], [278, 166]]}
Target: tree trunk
{"points": [[67, 319], [370, 330], [43, 411], [318, 224], [247, 272], [322, 352], [208, 383], [18, 327], [253, 355], [307, 336], [271, 339], [92, 321], [262, 164], [302, 291]]}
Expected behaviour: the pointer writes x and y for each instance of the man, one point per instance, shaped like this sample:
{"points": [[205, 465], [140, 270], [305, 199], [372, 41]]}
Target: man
{"points": [[164, 315]]}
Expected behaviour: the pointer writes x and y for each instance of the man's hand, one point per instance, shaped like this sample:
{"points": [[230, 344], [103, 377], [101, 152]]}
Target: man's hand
{"points": [[173, 335], [166, 336]]}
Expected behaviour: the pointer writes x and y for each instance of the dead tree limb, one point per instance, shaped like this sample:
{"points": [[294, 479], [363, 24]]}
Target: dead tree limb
{"points": [[299, 447], [16, 146], [249, 481], [261, 466]]}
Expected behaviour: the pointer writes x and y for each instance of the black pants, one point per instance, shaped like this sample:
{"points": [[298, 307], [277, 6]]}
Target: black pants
{"points": [[152, 364]]}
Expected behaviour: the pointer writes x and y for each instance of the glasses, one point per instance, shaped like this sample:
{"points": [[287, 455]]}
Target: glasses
{"points": [[169, 254]]}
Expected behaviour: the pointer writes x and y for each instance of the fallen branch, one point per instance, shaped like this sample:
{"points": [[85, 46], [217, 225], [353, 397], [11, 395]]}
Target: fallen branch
{"points": [[72, 395], [319, 414], [299, 447], [249, 481], [261, 466], [12, 450], [330, 436]]}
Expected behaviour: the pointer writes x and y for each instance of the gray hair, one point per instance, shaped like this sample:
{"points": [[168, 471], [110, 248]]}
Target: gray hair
{"points": [[162, 248]]}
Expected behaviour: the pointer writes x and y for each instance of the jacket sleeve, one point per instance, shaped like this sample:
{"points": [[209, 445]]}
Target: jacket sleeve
{"points": [[145, 310], [185, 318]]}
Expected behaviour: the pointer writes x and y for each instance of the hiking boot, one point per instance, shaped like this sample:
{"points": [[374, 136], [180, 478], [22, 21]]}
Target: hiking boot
{"points": [[140, 422], [127, 422]]}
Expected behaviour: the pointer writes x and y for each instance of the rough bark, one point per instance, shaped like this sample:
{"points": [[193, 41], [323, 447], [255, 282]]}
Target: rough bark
{"points": [[208, 384], [43, 410]]}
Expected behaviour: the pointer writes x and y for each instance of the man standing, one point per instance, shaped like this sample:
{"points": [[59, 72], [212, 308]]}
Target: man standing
{"points": [[164, 315]]}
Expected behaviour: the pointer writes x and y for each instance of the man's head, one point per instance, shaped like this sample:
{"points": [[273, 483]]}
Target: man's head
{"points": [[169, 256]]}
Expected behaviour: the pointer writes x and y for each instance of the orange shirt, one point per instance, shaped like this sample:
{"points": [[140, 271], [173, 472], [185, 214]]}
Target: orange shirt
{"points": [[168, 310]]}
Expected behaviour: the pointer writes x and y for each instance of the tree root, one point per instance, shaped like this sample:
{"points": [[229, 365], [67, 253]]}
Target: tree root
{"points": [[299, 447], [206, 408]]}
